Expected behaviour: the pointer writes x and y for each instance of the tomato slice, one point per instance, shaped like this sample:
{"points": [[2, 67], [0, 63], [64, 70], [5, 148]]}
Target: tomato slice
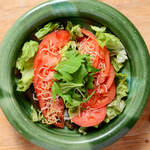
{"points": [[110, 78], [46, 59], [100, 101], [101, 58], [50, 45], [89, 45], [104, 66], [90, 117], [88, 33], [54, 41], [104, 87]]}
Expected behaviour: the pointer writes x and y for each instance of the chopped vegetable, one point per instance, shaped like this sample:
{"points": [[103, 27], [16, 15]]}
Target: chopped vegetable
{"points": [[122, 56], [75, 31], [118, 104], [114, 109], [107, 39], [46, 59], [82, 130], [34, 115], [73, 77], [90, 117], [122, 85], [25, 65], [98, 29], [46, 29], [117, 66]]}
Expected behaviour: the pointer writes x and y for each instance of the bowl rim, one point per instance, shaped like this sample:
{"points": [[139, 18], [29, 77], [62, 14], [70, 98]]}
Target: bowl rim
{"points": [[10, 107]]}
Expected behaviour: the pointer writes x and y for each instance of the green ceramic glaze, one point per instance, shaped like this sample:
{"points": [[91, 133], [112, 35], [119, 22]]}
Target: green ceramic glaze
{"points": [[16, 108]]}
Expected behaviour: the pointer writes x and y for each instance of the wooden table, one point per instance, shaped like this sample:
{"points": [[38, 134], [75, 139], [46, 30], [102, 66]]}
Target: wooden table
{"points": [[138, 11]]}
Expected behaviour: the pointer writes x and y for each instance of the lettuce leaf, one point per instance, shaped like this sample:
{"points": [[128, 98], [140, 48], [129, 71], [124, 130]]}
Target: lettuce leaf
{"points": [[110, 41], [46, 29], [75, 31], [107, 39], [29, 50], [34, 115], [113, 43], [118, 104], [114, 108], [27, 75], [117, 66], [25, 65], [98, 29], [122, 85], [37, 116], [121, 56], [69, 46]]}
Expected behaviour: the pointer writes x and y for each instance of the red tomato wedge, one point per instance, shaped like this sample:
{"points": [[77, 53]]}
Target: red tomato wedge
{"points": [[51, 44], [90, 117], [89, 45], [88, 34], [104, 87], [55, 40], [45, 60], [100, 101], [43, 67], [104, 66], [110, 78]]}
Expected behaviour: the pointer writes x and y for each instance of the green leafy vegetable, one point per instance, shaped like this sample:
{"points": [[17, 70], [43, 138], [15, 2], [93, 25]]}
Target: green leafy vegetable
{"points": [[110, 41], [27, 75], [117, 66], [69, 26], [64, 76], [74, 77], [98, 29], [117, 50], [80, 74], [65, 87], [89, 81], [90, 96], [118, 58], [69, 45], [70, 65], [83, 130], [122, 85], [46, 29], [29, 50], [107, 39], [122, 56], [118, 104], [55, 90], [114, 109], [25, 65], [75, 31], [36, 115]]}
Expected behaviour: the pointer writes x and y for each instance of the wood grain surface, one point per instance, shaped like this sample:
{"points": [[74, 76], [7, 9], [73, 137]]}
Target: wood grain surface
{"points": [[138, 11]]}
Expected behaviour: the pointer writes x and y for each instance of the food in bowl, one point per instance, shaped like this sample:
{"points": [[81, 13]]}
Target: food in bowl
{"points": [[73, 76]]}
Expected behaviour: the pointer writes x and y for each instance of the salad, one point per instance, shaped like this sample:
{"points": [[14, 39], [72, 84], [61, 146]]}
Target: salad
{"points": [[72, 76]]}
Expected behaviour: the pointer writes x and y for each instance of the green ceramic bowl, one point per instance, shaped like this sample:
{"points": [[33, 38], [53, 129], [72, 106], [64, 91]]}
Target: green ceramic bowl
{"points": [[16, 108]]}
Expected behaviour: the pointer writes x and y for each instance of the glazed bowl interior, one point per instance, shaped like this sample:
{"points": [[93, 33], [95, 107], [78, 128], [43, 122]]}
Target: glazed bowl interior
{"points": [[17, 107]]}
